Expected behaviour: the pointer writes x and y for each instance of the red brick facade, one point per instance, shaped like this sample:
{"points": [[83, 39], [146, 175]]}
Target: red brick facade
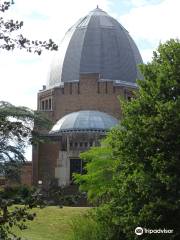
{"points": [[89, 93], [26, 174]]}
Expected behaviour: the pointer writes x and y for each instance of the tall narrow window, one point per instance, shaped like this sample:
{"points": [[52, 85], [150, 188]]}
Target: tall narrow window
{"points": [[46, 105], [70, 88], [98, 88], [42, 105], [114, 89], [106, 87], [78, 88], [50, 104]]}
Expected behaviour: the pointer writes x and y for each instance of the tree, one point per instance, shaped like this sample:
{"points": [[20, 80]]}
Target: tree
{"points": [[100, 169], [16, 127], [10, 218], [9, 42], [144, 188], [16, 131]]}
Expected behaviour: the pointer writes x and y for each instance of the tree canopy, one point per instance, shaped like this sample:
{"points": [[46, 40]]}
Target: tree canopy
{"points": [[144, 157], [10, 41], [16, 131]]}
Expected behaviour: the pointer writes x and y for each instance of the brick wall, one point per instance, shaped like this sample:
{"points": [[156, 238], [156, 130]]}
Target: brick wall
{"points": [[26, 174], [90, 93]]}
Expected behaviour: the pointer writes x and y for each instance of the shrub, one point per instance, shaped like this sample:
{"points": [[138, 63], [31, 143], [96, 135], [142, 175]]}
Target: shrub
{"points": [[17, 193]]}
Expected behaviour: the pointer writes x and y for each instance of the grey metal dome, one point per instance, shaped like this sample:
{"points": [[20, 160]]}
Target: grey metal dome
{"points": [[97, 43], [84, 121]]}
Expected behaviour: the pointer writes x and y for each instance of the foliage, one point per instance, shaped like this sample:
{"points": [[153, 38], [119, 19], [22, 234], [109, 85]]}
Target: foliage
{"points": [[10, 217], [16, 124], [17, 193], [145, 184], [97, 182], [9, 41], [11, 170], [16, 216], [55, 195], [85, 225]]}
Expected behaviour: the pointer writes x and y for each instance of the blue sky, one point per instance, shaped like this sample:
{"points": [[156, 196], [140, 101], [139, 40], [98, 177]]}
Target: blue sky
{"points": [[125, 6], [149, 22]]}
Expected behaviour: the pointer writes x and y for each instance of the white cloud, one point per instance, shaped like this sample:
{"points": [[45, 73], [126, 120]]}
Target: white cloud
{"points": [[153, 23]]}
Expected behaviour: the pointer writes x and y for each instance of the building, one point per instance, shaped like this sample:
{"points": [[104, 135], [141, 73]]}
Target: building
{"points": [[96, 62], [26, 174]]}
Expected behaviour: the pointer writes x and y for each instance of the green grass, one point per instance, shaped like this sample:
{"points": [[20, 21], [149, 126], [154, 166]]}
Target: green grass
{"points": [[51, 223]]}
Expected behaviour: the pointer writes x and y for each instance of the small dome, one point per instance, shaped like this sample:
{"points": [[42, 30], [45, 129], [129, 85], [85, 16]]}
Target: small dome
{"points": [[97, 43], [84, 121]]}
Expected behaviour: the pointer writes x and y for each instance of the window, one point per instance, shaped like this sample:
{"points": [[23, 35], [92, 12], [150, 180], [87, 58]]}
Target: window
{"points": [[77, 166], [46, 105], [128, 95], [70, 88], [50, 104], [42, 105], [78, 88], [98, 88], [106, 87]]}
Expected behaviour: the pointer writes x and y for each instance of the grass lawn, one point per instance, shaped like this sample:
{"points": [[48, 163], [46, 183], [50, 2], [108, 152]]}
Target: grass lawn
{"points": [[51, 223]]}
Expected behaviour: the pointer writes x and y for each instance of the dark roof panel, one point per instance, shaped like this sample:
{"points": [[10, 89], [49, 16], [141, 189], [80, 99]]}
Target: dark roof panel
{"points": [[97, 43]]}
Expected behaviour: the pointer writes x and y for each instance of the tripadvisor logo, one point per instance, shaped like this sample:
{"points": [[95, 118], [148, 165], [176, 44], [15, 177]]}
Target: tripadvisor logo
{"points": [[140, 231]]}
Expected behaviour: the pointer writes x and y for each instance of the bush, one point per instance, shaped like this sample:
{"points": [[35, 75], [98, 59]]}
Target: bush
{"points": [[16, 193]]}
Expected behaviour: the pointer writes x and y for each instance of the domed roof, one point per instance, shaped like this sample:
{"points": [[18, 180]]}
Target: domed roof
{"points": [[84, 121], [97, 43]]}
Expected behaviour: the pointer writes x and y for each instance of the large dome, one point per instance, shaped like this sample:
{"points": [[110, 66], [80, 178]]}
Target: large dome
{"points": [[97, 43], [84, 121]]}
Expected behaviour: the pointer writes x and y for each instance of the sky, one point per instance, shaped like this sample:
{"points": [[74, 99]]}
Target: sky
{"points": [[22, 74]]}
